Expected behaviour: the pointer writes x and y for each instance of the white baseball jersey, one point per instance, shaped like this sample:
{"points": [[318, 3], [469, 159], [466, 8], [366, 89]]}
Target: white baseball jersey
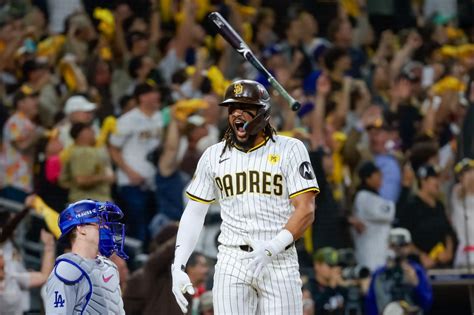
{"points": [[137, 135], [254, 189]]}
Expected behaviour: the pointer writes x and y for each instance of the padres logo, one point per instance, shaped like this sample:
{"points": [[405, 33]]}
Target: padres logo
{"points": [[238, 89]]}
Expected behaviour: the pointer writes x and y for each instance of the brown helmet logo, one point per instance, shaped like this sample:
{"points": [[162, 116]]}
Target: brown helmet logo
{"points": [[238, 89]]}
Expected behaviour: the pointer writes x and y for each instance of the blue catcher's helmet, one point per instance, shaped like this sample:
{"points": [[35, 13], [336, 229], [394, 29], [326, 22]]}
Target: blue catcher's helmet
{"points": [[105, 215]]}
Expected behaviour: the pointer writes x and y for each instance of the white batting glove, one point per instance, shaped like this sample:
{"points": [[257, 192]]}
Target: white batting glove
{"points": [[264, 252], [181, 285]]}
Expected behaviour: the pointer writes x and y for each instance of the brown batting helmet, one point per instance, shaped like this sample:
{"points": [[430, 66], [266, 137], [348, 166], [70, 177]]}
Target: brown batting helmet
{"points": [[252, 93], [247, 92]]}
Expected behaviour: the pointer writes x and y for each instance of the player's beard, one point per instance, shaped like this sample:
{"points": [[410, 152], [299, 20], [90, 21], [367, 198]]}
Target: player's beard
{"points": [[247, 144]]}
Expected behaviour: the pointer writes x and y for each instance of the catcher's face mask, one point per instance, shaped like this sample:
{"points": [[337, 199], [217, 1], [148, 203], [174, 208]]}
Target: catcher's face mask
{"points": [[111, 234], [106, 215]]}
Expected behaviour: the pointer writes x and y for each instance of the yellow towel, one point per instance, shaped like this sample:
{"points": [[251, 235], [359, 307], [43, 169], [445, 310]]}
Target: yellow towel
{"points": [[435, 251], [50, 216]]}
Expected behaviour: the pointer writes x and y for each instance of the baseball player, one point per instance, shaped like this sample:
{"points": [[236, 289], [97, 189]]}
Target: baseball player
{"points": [[85, 281], [266, 188]]}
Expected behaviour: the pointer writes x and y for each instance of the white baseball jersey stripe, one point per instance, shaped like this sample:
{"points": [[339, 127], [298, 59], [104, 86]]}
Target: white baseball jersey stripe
{"points": [[254, 188]]}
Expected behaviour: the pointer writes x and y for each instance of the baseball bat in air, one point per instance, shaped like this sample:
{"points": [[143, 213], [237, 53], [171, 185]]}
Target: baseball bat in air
{"points": [[234, 39]]}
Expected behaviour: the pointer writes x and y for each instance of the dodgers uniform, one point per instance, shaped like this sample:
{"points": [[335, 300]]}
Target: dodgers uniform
{"points": [[254, 189], [83, 286]]}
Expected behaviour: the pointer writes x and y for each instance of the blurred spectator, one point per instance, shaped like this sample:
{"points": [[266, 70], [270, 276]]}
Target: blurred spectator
{"points": [[138, 135], [99, 79], [330, 227], [139, 68], [372, 220], [406, 112], [195, 130], [127, 103], [308, 303], [20, 135], [353, 278], [80, 32], [462, 201], [189, 35], [15, 279], [381, 146], [36, 74], [311, 43], [401, 281], [48, 163], [264, 28], [340, 34], [148, 289], [177, 161], [337, 62], [205, 304], [328, 297], [78, 109], [381, 15], [198, 270], [59, 11], [87, 172], [424, 215], [466, 138]]}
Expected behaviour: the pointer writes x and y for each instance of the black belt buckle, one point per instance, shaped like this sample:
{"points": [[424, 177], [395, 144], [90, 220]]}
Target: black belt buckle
{"points": [[247, 248]]}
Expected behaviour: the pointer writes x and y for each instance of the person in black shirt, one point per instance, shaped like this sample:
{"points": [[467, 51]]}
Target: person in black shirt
{"points": [[425, 217], [328, 297]]}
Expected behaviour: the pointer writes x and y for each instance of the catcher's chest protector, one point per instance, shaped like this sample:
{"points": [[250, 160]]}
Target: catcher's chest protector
{"points": [[98, 278]]}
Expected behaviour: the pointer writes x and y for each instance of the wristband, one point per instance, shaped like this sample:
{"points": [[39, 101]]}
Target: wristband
{"points": [[282, 240]]}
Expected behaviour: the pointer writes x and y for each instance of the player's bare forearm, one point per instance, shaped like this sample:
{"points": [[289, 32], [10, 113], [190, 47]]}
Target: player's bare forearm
{"points": [[303, 216]]}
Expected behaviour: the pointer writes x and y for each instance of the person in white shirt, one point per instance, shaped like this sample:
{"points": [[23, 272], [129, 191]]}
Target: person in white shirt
{"points": [[374, 215], [138, 135], [462, 200]]}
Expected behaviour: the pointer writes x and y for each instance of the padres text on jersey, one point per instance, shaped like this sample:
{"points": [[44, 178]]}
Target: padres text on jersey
{"points": [[254, 187]]}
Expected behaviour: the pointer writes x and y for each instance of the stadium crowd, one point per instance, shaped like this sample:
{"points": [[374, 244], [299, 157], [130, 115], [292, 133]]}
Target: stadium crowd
{"points": [[116, 100]]}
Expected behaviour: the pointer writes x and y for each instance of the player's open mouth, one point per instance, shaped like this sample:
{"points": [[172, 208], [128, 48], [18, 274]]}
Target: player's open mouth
{"points": [[239, 128]]}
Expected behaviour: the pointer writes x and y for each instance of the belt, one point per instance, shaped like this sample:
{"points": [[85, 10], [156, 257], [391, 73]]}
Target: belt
{"points": [[247, 248]]}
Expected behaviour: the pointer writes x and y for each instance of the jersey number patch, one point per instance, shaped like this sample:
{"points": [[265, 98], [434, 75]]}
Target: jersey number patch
{"points": [[58, 300]]}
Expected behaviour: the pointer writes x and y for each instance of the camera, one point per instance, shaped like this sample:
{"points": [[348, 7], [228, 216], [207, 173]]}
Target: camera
{"points": [[355, 272], [350, 269]]}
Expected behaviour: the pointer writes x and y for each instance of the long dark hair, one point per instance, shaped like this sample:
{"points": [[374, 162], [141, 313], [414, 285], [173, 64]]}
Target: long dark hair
{"points": [[268, 132]]}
